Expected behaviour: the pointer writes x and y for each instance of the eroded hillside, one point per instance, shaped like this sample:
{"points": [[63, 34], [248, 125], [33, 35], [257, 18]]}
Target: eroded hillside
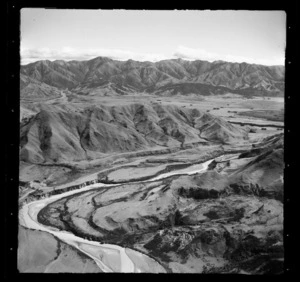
{"points": [[64, 133], [228, 219], [172, 76]]}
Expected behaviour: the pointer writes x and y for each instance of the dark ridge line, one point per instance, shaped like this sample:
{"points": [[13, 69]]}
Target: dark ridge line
{"points": [[53, 165], [80, 141], [255, 124]]}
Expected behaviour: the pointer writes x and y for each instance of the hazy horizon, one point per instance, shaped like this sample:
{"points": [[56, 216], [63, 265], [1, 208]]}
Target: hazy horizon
{"points": [[254, 37]]}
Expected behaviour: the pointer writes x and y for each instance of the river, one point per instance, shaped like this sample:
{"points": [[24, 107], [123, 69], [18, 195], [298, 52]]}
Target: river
{"points": [[107, 256]]}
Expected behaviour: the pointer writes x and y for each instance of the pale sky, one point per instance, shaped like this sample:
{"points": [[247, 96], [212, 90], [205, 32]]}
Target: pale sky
{"points": [[235, 36]]}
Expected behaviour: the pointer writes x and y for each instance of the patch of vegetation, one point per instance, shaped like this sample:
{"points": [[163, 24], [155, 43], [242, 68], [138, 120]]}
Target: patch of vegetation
{"points": [[198, 193], [212, 214]]}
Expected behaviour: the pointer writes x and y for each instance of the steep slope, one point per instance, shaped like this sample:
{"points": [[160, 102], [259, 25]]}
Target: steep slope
{"points": [[63, 133], [30, 88], [175, 75], [58, 73], [41, 252], [263, 175], [216, 129]]}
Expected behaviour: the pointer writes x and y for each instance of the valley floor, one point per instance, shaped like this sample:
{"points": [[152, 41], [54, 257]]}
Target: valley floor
{"points": [[227, 216]]}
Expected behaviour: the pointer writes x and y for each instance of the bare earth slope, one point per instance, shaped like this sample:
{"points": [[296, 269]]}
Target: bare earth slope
{"points": [[62, 133], [34, 89], [200, 77]]}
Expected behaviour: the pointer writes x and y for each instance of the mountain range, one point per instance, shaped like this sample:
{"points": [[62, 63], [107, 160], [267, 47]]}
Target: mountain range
{"points": [[167, 77], [226, 218]]}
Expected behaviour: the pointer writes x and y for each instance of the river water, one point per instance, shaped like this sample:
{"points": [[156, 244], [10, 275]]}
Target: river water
{"points": [[28, 218]]}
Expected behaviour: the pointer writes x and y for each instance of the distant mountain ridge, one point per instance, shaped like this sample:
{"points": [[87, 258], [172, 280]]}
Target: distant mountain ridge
{"points": [[164, 77]]}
